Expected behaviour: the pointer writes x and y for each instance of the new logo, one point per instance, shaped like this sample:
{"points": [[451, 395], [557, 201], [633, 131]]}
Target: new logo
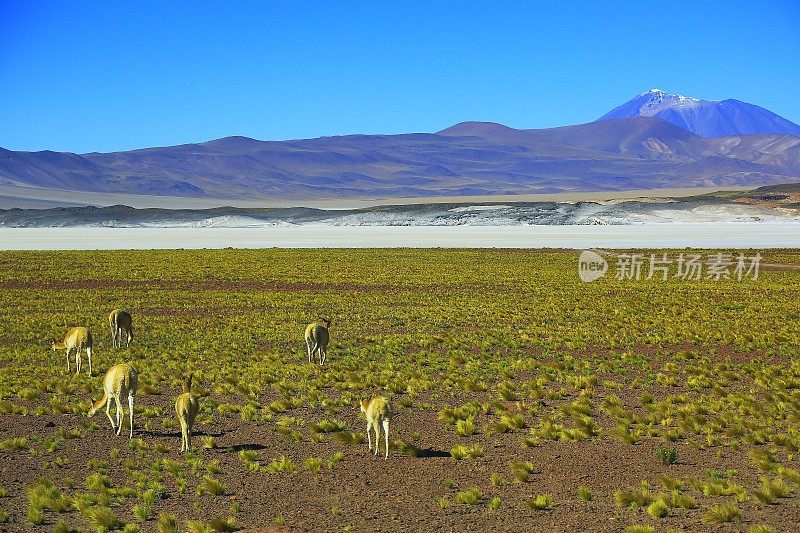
{"points": [[591, 266]]}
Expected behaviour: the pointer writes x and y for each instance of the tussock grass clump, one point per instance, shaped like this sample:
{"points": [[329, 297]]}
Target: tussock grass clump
{"points": [[450, 415], [541, 502], [102, 518], [282, 464], [771, 490], [521, 471], [348, 437], [223, 524], [584, 494], [640, 528], [405, 448], [658, 509], [167, 523], [14, 444], [671, 483], [469, 497], [334, 459], [465, 428], [328, 426], [461, 451], [720, 514], [762, 528], [684, 501], [212, 486], [497, 480], [634, 496], [313, 464]]}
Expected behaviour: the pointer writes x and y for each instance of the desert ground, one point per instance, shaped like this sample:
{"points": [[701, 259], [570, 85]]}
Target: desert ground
{"points": [[523, 398], [27, 197]]}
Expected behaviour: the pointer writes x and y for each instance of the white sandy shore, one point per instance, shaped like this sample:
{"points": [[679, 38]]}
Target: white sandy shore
{"points": [[630, 236]]}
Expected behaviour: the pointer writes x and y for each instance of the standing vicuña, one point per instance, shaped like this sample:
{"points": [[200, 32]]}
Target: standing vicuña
{"points": [[77, 339], [378, 412], [120, 381], [187, 405], [317, 338], [120, 322]]}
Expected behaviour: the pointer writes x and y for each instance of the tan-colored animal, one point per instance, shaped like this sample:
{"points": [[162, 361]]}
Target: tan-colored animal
{"points": [[379, 413], [76, 339], [120, 382], [187, 405], [121, 323], [317, 338]]}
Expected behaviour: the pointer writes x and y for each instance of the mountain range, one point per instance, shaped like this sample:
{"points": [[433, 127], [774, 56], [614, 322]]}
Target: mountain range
{"points": [[653, 141]]}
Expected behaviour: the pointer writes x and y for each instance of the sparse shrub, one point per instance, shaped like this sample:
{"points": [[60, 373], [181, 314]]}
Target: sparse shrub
{"points": [[666, 455]]}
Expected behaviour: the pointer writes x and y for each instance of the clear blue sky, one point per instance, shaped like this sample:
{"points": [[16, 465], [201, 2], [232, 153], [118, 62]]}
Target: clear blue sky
{"points": [[101, 76]]}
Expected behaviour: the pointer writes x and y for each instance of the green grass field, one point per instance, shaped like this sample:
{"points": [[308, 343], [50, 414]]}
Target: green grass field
{"points": [[523, 397]]}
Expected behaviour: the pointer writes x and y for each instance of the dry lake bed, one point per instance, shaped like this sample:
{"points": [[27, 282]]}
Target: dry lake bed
{"points": [[756, 235]]}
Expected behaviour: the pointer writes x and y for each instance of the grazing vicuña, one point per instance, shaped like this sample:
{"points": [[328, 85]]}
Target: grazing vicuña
{"points": [[78, 339], [121, 381]]}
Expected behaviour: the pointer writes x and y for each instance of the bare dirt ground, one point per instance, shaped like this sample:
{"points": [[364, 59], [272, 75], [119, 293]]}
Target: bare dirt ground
{"points": [[366, 493]]}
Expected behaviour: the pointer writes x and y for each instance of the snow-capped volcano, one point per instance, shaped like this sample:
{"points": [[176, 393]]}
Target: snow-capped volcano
{"points": [[707, 118]]}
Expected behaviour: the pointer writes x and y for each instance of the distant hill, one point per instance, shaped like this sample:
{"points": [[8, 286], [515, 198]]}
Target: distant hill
{"points": [[467, 159], [705, 118]]}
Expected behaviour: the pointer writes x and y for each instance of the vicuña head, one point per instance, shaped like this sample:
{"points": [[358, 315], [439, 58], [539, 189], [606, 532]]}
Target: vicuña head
{"points": [[187, 383]]}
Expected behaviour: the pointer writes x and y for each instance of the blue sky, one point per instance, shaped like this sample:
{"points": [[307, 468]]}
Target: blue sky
{"points": [[104, 76]]}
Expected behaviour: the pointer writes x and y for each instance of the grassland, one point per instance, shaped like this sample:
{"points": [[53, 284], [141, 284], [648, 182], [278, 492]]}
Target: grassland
{"points": [[525, 400]]}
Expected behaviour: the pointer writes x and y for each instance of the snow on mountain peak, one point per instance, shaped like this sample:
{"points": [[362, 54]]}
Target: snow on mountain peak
{"points": [[707, 118]]}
